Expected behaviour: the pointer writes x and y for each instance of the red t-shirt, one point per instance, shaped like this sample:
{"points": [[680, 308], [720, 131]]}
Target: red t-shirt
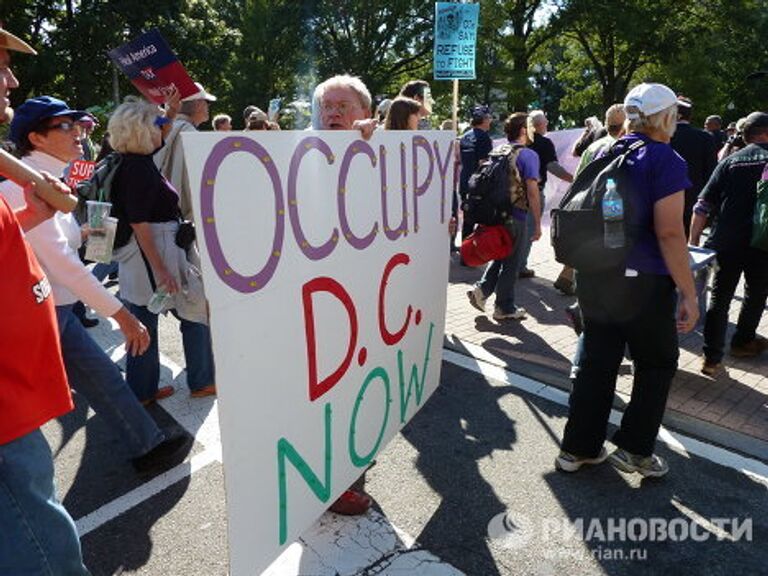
{"points": [[33, 384]]}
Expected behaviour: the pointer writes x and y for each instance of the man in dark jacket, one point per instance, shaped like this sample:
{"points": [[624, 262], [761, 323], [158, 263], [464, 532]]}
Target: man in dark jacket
{"points": [[729, 196], [714, 125], [697, 147], [475, 145]]}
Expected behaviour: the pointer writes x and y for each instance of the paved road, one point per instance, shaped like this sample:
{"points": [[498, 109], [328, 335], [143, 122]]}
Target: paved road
{"points": [[470, 479]]}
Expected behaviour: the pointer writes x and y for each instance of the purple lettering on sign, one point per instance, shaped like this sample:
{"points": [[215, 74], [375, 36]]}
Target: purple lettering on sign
{"points": [[404, 186], [420, 189], [442, 169], [357, 147], [231, 278], [389, 231], [311, 252]]}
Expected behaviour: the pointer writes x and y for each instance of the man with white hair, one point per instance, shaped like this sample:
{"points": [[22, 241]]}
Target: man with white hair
{"points": [[545, 148], [343, 102], [222, 123], [170, 158]]}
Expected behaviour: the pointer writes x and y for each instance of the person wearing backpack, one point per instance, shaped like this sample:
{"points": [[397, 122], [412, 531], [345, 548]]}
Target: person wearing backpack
{"points": [[633, 303], [474, 147], [500, 276], [614, 126], [729, 196]]}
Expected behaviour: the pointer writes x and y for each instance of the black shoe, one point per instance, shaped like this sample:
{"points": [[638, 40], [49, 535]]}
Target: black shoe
{"points": [[565, 286], [88, 322], [165, 455], [526, 273]]}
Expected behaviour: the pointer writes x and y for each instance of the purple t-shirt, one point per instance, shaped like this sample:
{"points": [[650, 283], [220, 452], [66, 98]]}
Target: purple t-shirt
{"points": [[657, 171], [528, 164]]}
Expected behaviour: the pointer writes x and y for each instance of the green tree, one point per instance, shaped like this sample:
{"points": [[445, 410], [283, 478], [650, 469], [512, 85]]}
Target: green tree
{"points": [[385, 43], [617, 39], [511, 31], [703, 50], [73, 42], [269, 60]]}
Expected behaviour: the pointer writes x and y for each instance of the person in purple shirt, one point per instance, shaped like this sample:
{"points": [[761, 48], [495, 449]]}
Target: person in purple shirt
{"points": [[635, 305], [501, 275]]}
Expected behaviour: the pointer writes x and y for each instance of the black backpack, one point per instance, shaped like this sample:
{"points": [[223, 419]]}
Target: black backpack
{"points": [[98, 186], [577, 228], [489, 198]]}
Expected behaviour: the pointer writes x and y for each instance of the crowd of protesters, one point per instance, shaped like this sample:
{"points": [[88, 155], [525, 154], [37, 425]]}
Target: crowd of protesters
{"points": [[680, 190]]}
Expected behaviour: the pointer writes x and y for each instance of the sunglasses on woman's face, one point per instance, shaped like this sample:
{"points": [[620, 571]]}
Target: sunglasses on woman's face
{"points": [[65, 126], [161, 121]]}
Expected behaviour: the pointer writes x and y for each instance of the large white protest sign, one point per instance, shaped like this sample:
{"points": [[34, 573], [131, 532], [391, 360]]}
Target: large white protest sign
{"points": [[325, 261]]}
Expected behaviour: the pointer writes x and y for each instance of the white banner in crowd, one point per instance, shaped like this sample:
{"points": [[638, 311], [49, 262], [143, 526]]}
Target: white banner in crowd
{"points": [[325, 261]]}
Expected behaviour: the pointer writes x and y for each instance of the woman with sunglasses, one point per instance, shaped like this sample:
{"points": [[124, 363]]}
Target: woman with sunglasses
{"points": [[47, 135], [151, 261]]}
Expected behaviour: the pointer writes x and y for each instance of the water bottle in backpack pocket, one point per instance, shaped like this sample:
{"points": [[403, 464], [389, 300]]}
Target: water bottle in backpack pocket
{"points": [[591, 228], [613, 216]]}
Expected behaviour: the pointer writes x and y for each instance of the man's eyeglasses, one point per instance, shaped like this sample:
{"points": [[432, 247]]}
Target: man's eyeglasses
{"points": [[341, 107], [65, 126]]}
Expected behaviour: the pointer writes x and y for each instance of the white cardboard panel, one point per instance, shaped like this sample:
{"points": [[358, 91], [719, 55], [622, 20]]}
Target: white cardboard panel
{"points": [[321, 254]]}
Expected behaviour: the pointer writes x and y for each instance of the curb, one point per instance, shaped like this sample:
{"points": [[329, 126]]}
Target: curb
{"points": [[674, 420]]}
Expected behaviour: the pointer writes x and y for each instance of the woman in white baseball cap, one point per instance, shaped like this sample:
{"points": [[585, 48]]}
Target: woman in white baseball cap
{"points": [[635, 306]]}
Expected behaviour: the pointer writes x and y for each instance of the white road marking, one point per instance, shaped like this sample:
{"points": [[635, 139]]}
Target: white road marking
{"points": [[675, 441], [321, 549], [124, 503], [200, 418]]}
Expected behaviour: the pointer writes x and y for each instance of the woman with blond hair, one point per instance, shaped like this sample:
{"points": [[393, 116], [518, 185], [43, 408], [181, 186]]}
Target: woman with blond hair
{"points": [[150, 258], [635, 305]]}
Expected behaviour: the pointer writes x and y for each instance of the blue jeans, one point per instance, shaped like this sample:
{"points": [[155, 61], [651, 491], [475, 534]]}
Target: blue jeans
{"points": [[102, 270], [638, 312], [93, 374], [753, 263], [37, 535], [531, 222], [501, 275], [143, 372]]}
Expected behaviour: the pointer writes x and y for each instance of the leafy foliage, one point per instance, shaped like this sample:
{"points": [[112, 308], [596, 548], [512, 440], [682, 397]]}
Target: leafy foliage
{"points": [[571, 58]]}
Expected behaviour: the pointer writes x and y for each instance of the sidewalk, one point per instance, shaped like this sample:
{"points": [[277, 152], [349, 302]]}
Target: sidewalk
{"points": [[731, 410]]}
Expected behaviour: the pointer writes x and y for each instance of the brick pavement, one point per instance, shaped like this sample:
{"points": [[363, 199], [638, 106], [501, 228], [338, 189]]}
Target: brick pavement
{"points": [[722, 409]]}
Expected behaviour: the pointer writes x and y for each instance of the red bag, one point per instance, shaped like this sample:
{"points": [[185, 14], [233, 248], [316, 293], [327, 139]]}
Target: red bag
{"points": [[486, 243]]}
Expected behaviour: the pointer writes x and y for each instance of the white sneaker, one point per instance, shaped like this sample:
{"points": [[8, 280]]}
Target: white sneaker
{"points": [[568, 462], [477, 299], [518, 314]]}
